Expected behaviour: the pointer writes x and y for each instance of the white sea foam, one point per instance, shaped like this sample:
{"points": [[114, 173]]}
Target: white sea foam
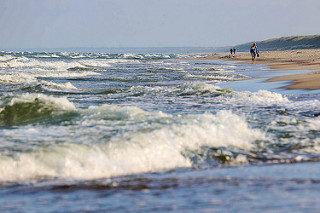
{"points": [[53, 85], [305, 105], [31, 63], [262, 97], [76, 56], [113, 112], [228, 96], [219, 77], [135, 152], [60, 103], [5, 58], [17, 78], [314, 123], [184, 89], [266, 98], [97, 62], [198, 87], [15, 62], [30, 77], [59, 65], [48, 55]]}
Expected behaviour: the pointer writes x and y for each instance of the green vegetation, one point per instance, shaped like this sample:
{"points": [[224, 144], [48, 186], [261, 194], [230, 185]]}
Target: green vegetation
{"points": [[284, 43]]}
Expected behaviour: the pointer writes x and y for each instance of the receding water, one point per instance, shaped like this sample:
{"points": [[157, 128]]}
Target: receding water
{"points": [[153, 132]]}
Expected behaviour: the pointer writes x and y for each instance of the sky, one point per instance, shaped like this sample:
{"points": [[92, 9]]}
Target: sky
{"points": [[152, 23]]}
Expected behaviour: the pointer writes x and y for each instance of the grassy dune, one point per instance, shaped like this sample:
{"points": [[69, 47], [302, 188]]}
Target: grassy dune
{"points": [[285, 43]]}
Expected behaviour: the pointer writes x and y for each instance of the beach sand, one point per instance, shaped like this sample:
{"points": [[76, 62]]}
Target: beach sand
{"points": [[302, 59]]}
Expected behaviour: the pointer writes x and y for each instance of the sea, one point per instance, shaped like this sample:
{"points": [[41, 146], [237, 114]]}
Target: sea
{"points": [[154, 131]]}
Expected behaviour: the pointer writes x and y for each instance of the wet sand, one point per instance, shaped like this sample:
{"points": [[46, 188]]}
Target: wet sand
{"points": [[284, 60]]}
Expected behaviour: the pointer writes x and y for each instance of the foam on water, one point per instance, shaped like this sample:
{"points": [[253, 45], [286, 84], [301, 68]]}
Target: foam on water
{"points": [[153, 150], [262, 97], [184, 89], [23, 62], [5, 58], [17, 78], [315, 123], [97, 62], [47, 55], [62, 86], [112, 112], [198, 88], [61, 103], [32, 78]]}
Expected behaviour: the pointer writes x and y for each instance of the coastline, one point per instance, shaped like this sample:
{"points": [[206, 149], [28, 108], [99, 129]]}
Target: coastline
{"points": [[300, 59]]}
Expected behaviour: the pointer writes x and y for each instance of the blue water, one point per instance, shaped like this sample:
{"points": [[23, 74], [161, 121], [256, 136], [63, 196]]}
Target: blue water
{"points": [[153, 132]]}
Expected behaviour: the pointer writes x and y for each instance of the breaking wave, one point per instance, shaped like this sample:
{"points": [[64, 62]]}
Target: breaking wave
{"points": [[132, 140], [32, 108], [156, 150]]}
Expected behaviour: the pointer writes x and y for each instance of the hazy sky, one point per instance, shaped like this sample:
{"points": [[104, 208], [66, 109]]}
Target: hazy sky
{"points": [[152, 23]]}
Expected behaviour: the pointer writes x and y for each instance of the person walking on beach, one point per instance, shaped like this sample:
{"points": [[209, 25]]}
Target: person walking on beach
{"points": [[231, 51], [234, 50], [254, 51]]}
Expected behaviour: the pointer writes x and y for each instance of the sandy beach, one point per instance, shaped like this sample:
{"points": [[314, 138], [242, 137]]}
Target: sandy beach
{"points": [[302, 59]]}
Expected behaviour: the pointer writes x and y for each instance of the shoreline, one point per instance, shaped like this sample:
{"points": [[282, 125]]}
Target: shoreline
{"points": [[300, 59]]}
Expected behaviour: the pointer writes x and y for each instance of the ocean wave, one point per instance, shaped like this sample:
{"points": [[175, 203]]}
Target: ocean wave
{"points": [[218, 77], [156, 150], [17, 78], [262, 97], [151, 142], [69, 74], [202, 88], [31, 78], [267, 99], [46, 55], [86, 68], [113, 112], [23, 62], [60, 86], [69, 55], [37, 64], [197, 88], [29, 108], [315, 123], [6, 58], [146, 56]]}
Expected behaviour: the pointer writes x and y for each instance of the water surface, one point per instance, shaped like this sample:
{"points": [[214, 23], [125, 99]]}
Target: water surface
{"points": [[152, 132]]}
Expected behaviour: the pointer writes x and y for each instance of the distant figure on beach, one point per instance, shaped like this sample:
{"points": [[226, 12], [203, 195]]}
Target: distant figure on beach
{"points": [[234, 50], [254, 51], [231, 51]]}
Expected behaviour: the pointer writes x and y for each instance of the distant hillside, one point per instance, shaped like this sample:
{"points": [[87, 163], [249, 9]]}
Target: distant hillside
{"points": [[284, 43]]}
